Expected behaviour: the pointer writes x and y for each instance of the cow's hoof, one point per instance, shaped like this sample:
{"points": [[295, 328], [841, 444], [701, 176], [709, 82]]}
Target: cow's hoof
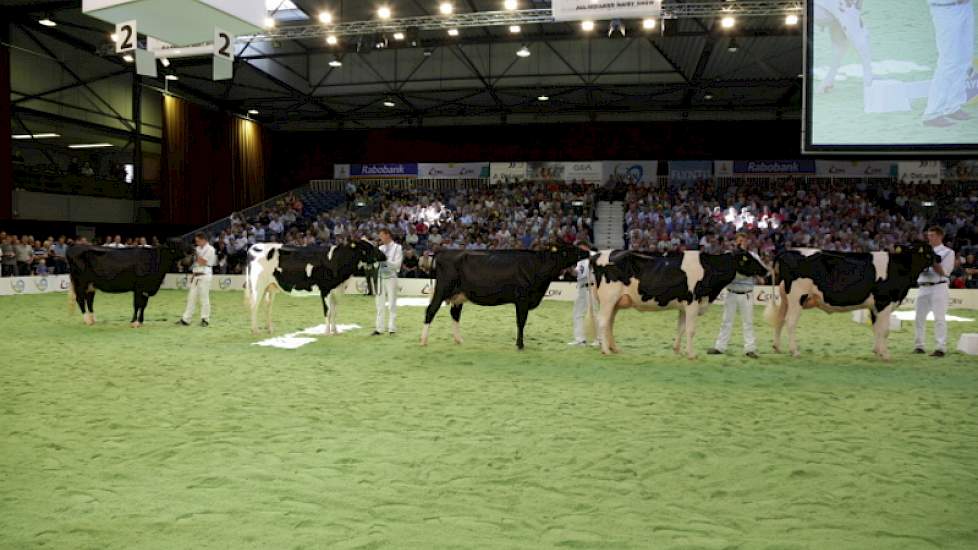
{"points": [[459, 341], [776, 349], [692, 357], [135, 325], [89, 321], [424, 343], [796, 354]]}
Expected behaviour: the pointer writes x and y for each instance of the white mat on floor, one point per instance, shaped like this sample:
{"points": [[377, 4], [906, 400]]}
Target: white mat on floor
{"points": [[295, 340], [910, 315]]}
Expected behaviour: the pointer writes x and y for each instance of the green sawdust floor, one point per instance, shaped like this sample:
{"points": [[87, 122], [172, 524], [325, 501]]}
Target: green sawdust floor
{"points": [[169, 437]]}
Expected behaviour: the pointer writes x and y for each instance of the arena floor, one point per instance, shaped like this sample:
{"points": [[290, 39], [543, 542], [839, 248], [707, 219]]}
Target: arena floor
{"points": [[171, 437]]}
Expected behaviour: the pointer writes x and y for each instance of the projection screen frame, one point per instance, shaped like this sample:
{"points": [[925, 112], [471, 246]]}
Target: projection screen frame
{"points": [[889, 150]]}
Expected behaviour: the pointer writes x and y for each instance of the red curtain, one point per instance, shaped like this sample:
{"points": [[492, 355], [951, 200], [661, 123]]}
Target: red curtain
{"points": [[213, 163]]}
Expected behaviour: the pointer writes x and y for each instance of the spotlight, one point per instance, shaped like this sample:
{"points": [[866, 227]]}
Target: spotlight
{"points": [[728, 22], [252, 111], [331, 40], [708, 96], [127, 58], [336, 63], [446, 8], [398, 36], [452, 32], [165, 62], [325, 17], [543, 98], [114, 37], [515, 29], [791, 20], [648, 24], [47, 22], [269, 23], [510, 4], [523, 52], [587, 25], [384, 12], [388, 103], [733, 47], [172, 77]]}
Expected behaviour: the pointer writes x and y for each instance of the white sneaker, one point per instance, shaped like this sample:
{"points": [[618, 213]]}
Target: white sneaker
{"points": [[577, 343]]}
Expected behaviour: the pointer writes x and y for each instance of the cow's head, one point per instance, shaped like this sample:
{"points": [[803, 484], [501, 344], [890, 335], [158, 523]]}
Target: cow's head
{"points": [[179, 251], [916, 256], [748, 264], [367, 255], [568, 255]]}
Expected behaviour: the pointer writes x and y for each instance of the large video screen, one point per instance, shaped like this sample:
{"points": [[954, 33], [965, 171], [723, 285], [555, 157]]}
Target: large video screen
{"points": [[891, 76]]}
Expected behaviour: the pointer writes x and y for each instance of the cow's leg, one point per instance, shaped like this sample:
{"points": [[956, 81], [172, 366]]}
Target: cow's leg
{"points": [[324, 296], [612, 344], [522, 312], [680, 328], [791, 320], [90, 304], [136, 304], [839, 47], [142, 310], [605, 312], [778, 315], [692, 311], [456, 312], [429, 315], [79, 292], [882, 330], [269, 298], [331, 319]]}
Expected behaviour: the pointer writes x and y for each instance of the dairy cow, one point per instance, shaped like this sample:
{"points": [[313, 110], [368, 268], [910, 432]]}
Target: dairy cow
{"points": [[688, 281]]}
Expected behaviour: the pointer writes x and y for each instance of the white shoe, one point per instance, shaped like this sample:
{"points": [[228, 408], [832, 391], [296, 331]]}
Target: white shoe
{"points": [[577, 343]]}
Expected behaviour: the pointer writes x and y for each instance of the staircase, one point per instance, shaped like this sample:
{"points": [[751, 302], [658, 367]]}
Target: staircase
{"points": [[609, 229]]}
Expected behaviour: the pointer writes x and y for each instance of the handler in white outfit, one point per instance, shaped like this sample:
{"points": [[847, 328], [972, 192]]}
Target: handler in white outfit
{"points": [[200, 282], [954, 31], [386, 290], [740, 298], [583, 272], [933, 294]]}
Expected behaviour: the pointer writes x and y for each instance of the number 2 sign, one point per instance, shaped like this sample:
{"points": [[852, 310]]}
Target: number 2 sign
{"points": [[223, 44], [125, 36]]}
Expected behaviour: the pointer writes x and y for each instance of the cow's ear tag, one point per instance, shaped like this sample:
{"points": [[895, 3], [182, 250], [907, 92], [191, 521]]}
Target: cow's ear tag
{"points": [[899, 249]]}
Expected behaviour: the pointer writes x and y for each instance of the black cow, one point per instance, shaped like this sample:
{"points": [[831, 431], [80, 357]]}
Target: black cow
{"points": [[844, 281], [493, 278], [647, 281], [139, 270], [274, 266]]}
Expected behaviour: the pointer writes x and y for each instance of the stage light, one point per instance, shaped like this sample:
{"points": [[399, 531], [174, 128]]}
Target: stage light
{"points": [[728, 22], [336, 63], [446, 8], [648, 24], [36, 136], [388, 103], [172, 77], [384, 12], [89, 145], [543, 98], [452, 32], [325, 17], [515, 29], [128, 58], [791, 20], [252, 111], [269, 23], [510, 4], [47, 22], [587, 25], [398, 36], [708, 96], [523, 52], [165, 62], [331, 40]]}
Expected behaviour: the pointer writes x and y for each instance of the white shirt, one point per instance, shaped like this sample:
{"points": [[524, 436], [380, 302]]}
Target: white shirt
{"points": [[395, 255], [947, 263], [208, 253]]}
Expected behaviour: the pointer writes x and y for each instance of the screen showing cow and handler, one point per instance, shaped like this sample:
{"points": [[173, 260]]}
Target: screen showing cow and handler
{"points": [[893, 75]]}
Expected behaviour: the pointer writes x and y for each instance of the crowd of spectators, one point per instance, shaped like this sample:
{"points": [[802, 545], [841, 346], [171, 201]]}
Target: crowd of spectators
{"points": [[26, 255]]}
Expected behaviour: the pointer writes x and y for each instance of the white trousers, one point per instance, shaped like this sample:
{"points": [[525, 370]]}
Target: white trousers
{"points": [[580, 313], [386, 291], [199, 291], [732, 304], [954, 31], [932, 298]]}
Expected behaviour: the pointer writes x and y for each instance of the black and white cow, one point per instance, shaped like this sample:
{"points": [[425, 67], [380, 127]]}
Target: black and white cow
{"points": [[844, 281], [273, 266], [139, 270], [493, 278], [647, 281]]}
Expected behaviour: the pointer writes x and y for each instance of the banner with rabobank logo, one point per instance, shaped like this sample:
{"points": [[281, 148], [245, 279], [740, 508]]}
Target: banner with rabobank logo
{"points": [[856, 168], [920, 171], [576, 10], [583, 172], [685, 171], [387, 170], [451, 171], [759, 167], [630, 171]]}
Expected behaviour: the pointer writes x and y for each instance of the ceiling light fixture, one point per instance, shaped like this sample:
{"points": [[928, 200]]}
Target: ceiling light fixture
{"points": [[384, 12], [446, 8], [89, 145], [452, 32], [587, 25], [252, 111], [47, 22], [515, 29], [510, 4], [523, 52], [336, 63], [543, 98], [325, 17], [331, 40], [791, 20], [648, 24], [728, 22], [36, 136]]}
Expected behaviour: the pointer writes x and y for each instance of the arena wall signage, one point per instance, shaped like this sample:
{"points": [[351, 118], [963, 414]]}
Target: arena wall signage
{"points": [[503, 172], [690, 170], [639, 171], [575, 10], [545, 170], [341, 171], [920, 171], [587, 172], [855, 169], [961, 169], [450, 171], [389, 170], [759, 167]]}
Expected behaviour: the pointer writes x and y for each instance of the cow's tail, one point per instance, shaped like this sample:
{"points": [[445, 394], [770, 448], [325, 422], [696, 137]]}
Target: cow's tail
{"points": [[72, 298], [590, 325], [249, 285], [777, 305]]}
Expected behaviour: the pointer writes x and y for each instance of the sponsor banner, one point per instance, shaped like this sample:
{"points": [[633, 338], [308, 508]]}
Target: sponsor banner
{"points": [[545, 170], [584, 172], [341, 171], [10, 286], [179, 281], [575, 10], [451, 171], [638, 171], [566, 292], [774, 167], [855, 168], [959, 298], [723, 168], [690, 170], [961, 169], [504, 172], [922, 171], [389, 170]]}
